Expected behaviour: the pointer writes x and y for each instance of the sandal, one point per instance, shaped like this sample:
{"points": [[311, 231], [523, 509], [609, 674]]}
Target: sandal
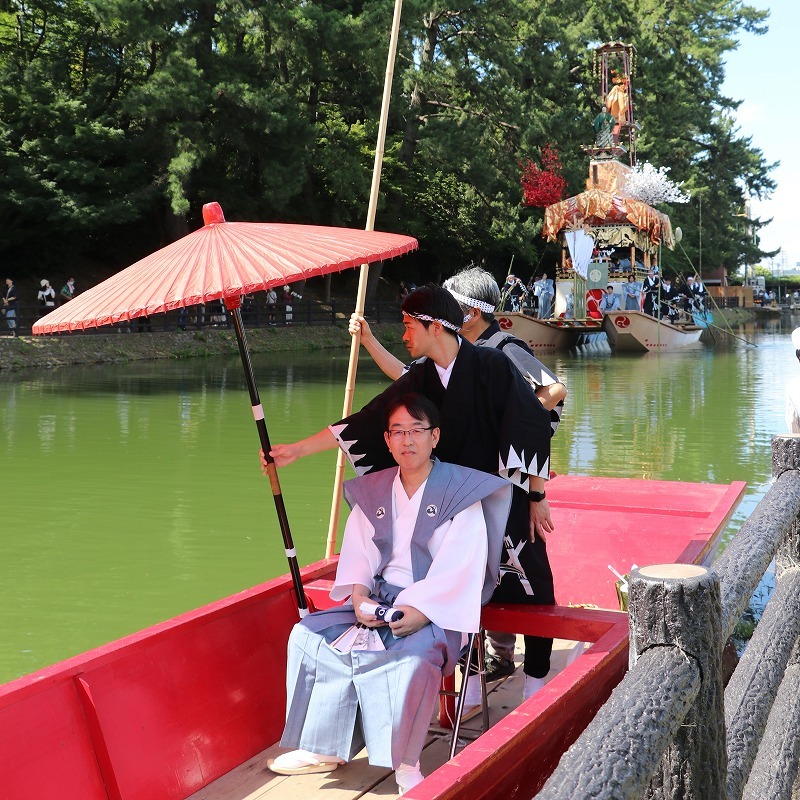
{"points": [[301, 762]]}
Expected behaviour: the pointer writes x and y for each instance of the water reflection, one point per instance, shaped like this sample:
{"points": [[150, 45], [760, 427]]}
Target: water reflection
{"points": [[133, 492]]}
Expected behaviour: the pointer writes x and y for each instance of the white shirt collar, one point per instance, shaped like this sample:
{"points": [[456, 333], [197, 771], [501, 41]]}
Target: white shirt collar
{"points": [[446, 372]]}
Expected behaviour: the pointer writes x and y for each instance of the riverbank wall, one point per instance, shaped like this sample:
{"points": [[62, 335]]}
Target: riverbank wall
{"points": [[25, 352]]}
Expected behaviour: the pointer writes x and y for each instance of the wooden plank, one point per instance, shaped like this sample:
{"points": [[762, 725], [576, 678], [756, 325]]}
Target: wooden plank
{"points": [[254, 781]]}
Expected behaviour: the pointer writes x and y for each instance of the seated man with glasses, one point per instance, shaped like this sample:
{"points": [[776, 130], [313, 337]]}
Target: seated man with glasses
{"points": [[424, 538]]}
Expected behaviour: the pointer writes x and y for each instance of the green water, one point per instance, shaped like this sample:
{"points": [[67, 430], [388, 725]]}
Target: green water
{"points": [[132, 493]]}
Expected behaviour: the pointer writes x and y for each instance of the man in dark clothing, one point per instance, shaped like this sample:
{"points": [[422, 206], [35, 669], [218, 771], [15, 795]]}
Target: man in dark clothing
{"points": [[670, 297], [10, 306], [650, 290]]}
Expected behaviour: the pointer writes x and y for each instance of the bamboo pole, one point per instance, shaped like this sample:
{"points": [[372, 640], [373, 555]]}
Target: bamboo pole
{"points": [[355, 343]]}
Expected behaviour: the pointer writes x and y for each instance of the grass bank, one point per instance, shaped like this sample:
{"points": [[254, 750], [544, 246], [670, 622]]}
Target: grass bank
{"points": [[52, 351]]}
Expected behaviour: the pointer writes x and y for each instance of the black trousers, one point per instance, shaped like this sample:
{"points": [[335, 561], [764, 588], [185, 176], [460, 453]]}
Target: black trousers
{"points": [[536, 566]]}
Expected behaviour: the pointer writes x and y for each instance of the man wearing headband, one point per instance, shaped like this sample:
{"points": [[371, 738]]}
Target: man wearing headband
{"points": [[651, 287], [491, 421], [477, 294]]}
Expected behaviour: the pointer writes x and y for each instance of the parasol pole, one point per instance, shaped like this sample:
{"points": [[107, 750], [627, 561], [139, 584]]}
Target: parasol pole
{"points": [[355, 342], [233, 305]]}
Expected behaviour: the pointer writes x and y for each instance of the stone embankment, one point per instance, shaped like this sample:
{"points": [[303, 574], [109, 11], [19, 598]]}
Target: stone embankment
{"points": [[94, 348]]}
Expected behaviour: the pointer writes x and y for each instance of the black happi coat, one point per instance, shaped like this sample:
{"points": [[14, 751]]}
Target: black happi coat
{"points": [[491, 421], [522, 357], [650, 291]]}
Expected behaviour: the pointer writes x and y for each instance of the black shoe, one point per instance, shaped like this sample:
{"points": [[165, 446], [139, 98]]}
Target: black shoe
{"points": [[497, 668]]}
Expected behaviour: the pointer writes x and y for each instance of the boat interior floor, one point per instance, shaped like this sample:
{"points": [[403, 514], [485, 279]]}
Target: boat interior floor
{"points": [[254, 781]]}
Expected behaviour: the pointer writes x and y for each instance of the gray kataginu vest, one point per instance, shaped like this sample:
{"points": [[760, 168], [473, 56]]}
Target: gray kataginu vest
{"points": [[450, 489]]}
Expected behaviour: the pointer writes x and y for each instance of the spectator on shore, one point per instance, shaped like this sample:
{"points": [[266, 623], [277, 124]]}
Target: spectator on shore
{"points": [[67, 291], [46, 297], [10, 306], [272, 299], [288, 294]]}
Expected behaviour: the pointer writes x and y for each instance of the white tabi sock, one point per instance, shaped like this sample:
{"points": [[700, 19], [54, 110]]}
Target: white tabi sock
{"points": [[532, 685], [472, 694], [407, 777]]}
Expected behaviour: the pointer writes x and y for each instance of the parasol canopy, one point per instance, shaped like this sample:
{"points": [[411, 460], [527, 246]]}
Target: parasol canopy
{"points": [[222, 260], [596, 207]]}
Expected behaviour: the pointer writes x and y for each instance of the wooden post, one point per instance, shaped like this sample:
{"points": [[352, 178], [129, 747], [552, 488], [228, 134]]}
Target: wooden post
{"points": [[762, 750], [678, 605], [785, 458], [775, 770]]}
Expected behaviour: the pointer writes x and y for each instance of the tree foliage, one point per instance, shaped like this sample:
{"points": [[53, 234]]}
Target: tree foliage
{"points": [[119, 118]]}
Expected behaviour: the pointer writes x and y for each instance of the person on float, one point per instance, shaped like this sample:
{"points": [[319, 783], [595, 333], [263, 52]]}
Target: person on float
{"points": [[632, 292], [609, 301], [670, 298], [650, 292]]}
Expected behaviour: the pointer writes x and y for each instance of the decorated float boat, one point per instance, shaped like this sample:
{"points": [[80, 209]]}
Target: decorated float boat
{"points": [[607, 235], [192, 707]]}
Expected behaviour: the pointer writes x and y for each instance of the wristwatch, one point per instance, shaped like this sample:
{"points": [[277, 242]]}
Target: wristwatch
{"points": [[536, 497]]}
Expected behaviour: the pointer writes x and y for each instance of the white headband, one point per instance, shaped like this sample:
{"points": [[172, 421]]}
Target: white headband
{"points": [[443, 322], [487, 308]]}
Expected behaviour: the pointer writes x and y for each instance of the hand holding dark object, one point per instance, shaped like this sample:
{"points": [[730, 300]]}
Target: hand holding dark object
{"points": [[412, 621]]}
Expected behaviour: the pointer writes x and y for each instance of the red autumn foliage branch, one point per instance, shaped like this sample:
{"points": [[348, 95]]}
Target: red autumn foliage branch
{"points": [[542, 185]]}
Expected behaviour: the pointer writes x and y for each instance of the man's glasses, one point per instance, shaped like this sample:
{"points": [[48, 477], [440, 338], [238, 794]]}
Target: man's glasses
{"points": [[414, 433]]}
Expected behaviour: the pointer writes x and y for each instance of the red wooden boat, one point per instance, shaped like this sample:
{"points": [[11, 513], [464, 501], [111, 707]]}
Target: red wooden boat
{"points": [[167, 712]]}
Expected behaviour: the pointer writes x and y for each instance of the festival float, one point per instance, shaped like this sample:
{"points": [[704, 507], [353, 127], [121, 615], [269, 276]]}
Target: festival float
{"points": [[607, 233]]}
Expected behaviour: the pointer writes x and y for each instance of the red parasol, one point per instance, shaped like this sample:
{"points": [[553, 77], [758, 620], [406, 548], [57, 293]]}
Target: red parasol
{"points": [[224, 260]]}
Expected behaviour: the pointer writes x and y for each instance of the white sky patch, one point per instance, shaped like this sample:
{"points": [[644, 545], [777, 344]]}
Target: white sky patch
{"points": [[761, 73]]}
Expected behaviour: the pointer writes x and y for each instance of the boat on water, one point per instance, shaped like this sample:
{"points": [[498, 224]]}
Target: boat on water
{"points": [[192, 707], [551, 335], [637, 332]]}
